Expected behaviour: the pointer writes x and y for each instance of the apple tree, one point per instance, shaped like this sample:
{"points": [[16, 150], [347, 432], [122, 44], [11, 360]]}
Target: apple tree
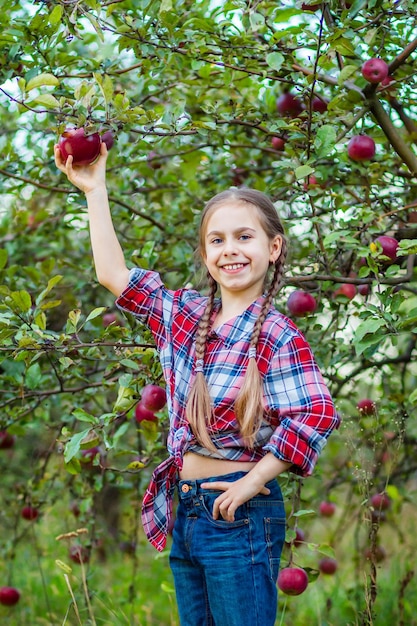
{"points": [[313, 103]]}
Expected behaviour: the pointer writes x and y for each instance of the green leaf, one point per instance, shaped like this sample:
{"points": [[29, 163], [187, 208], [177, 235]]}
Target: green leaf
{"points": [[21, 301], [303, 171], [73, 466], [73, 446], [33, 376], [325, 140], [83, 416], [367, 327], [3, 258], [51, 284], [73, 319], [42, 80], [96, 312], [165, 6], [46, 100], [304, 513], [275, 60], [413, 397], [56, 15]]}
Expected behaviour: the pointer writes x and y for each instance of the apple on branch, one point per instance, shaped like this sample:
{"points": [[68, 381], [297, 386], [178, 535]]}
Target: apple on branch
{"points": [[29, 513], [142, 414], [301, 303], [6, 440], [389, 247], [319, 104], [9, 596], [327, 509], [375, 70], [366, 406], [361, 148], [154, 397], [278, 143], [328, 565], [292, 581], [347, 290], [289, 105]]}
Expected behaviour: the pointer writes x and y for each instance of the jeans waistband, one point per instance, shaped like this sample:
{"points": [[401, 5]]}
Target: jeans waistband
{"points": [[188, 488]]}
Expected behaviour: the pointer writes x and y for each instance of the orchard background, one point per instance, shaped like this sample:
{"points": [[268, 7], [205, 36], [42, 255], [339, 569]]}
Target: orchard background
{"points": [[190, 90]]}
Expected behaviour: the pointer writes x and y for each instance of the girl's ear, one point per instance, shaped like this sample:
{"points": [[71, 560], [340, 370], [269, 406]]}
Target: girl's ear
{"points": [[275, 249]]}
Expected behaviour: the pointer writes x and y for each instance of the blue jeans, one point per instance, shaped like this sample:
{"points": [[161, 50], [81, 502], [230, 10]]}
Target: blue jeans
{"points": [[225, 573]]}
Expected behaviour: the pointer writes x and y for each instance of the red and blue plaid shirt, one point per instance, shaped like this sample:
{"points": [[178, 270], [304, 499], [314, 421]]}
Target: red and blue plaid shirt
{"points": [[299, 413]]}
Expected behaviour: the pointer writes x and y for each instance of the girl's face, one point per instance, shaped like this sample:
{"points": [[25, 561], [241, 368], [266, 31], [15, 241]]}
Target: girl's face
{"points": [[237, 251]]}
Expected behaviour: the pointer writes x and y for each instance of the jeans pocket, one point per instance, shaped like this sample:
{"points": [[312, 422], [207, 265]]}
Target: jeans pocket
{"points": [[274, 529], [207, 502]]}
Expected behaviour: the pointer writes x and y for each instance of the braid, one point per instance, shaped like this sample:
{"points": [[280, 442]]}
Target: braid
{"points": [[204, 322], [199, 410], [272, 292], [249, 403]]}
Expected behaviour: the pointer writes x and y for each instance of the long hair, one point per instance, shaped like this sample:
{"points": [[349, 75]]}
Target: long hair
{"points": [[248, 405]]}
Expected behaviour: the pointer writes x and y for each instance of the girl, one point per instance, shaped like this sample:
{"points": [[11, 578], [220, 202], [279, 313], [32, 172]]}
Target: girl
{"points": [[245, 397]]}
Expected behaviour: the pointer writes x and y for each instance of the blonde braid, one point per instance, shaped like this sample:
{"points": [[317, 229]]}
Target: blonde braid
{"points": [[199, 410], [249, 403]]}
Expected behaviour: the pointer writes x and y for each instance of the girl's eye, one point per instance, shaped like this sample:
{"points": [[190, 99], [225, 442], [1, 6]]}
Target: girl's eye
{"points": [[217, 240], [245, 237]]}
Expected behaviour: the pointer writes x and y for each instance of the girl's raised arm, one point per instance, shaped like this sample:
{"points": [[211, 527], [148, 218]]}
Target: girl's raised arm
{"points": [[108, 256]]}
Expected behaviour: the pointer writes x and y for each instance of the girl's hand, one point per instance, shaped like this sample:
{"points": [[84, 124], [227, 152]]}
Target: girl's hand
{"points": [[86, 177], [234, 495]]}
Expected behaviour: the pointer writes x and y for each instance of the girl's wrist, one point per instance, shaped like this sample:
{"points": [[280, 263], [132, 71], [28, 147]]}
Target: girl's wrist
{"points": [[100, 190]]}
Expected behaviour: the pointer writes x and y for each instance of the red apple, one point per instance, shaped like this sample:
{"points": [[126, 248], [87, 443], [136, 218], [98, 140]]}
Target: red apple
{"points": [[278, 144], [361, 148], [239, 175], [154, 397], [83, 148], [9, 596], [89, 454], [75, 509], [288, 105], [79, 554], [364, 289], [6, 440], [389, 247], [29, 513], [299, 538], [375, 70], [301, 303], [380, 501], [366, 406], [319, 104], [377, 554], [346, 289], [311, 182], [143, 414], [153, 161], [109, 318], [292, 580], [108, 138], [327, 509], [328, 565]]}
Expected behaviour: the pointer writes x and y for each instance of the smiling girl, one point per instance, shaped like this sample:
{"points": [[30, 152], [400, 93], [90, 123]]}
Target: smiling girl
{"points": [[246, 402]]}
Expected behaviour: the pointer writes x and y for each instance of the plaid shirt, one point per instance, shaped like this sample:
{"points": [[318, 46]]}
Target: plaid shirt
{"points": [[299, 413]]}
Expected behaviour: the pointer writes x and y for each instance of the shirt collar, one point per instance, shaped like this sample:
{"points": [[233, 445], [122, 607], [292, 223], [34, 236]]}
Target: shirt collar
{"points": [[240, 327]]}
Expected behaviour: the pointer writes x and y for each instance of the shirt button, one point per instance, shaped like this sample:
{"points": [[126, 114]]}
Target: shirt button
{"points": [[185, 488]]}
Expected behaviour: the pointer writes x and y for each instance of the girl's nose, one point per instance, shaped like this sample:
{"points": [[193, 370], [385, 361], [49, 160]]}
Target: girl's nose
{"points": [[229, 247]]}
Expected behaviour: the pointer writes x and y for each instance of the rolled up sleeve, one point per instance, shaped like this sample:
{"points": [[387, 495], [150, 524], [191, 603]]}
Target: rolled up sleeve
{"points": [[296, 391]]}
